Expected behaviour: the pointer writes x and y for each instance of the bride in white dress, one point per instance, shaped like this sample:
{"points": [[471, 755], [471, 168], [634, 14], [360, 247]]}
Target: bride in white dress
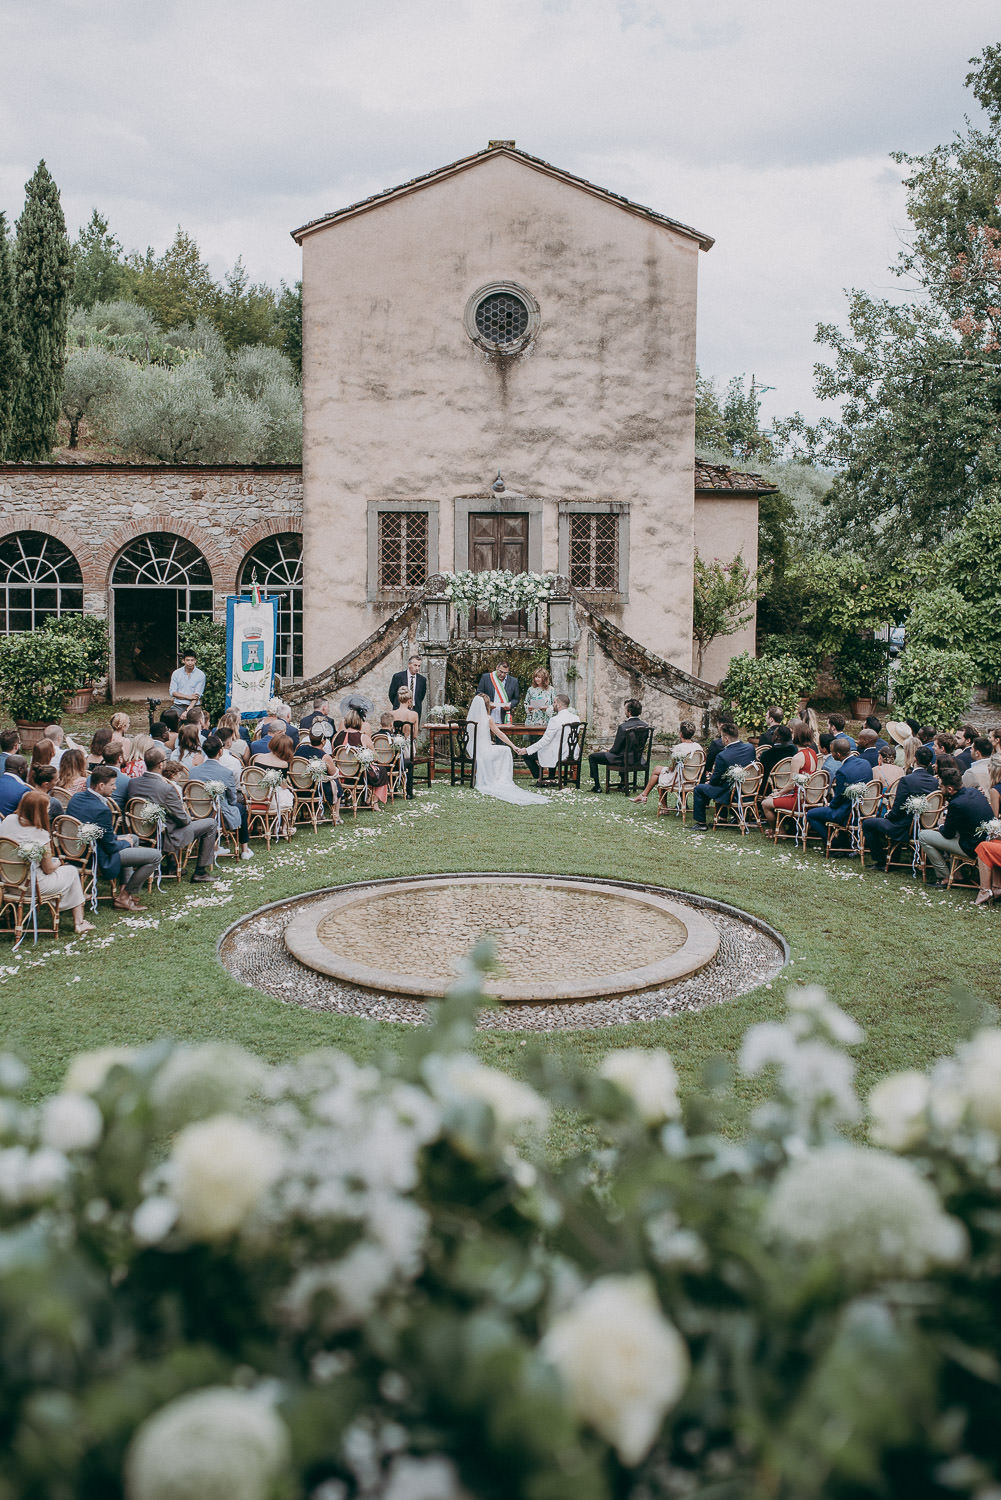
{"points": [[494, 763]]}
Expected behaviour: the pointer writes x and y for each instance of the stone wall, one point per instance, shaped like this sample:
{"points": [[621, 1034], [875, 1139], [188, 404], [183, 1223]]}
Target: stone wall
{"points": [[97, 509]]}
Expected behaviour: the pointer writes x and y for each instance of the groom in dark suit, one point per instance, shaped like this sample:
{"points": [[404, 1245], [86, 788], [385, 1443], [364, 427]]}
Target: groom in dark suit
{"points": [[412, 679], [498, 686]]}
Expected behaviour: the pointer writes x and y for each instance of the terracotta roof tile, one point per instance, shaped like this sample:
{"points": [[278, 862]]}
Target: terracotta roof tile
{"points": [[721, 479]]}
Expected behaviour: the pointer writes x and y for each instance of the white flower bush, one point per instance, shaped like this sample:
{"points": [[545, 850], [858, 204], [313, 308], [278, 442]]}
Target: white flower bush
{"points": [[334, 1280], [497, 590]]}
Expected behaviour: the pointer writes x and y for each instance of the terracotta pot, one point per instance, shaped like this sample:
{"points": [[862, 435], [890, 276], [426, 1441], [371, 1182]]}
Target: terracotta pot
{"points": [[79, 702], [864, 707], [30, 731]]}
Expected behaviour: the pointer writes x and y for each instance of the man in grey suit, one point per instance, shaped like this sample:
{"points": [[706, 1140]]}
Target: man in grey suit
{"points": [[180, 830]]}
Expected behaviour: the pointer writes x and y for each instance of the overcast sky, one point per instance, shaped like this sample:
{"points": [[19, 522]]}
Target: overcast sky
{"points": [[766, 123]]}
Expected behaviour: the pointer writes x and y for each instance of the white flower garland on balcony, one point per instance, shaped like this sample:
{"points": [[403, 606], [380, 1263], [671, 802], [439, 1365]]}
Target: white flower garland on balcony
{"points": [[498, 590]]}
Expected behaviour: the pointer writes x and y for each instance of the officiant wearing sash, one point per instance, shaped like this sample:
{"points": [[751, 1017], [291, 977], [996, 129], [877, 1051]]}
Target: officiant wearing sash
{"points": [[502, 690]]}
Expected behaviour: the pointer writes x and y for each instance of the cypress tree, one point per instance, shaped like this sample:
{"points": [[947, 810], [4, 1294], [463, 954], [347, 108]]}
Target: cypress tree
{"points": [[43, 275], [10, 344]]}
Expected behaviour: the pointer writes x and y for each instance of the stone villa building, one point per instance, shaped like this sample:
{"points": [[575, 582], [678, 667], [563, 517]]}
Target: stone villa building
{"points": [[498, 371]]}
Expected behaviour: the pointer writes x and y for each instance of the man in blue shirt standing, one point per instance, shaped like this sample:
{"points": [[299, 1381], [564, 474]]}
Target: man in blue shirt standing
{"points": [[187, 684]]}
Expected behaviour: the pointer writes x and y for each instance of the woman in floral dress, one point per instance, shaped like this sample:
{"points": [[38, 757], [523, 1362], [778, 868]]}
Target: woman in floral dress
{"points": [[540, 705]]}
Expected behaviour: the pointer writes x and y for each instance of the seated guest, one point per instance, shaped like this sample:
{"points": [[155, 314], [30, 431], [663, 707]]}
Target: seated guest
{"points": [[967, 809], [113, 757], [121, 726], [279, 710], [735, 752], [171, 719], [100, 738], [670, 776], [852, 768], [836, 724], [926, 736], [44, 780], [829, 762], [945, 744], [278, 757], [72, 772], [320, 710], [907, 753], [227, 756], [887, 773], [155, 786], [10, 744], [874, 723], [978, 772], [628, 738], [189, 746], [265, 731], [240, 744], [780, 749], [115, 852], [233, 808], [896, 825], [898, 733], [715, 746], [868, 747], [43, 753], [385, 723], [804, 762], [29, 824], [318, 748], [989, 852], [545, 753], [773, 718], [135, 765], [406, 721], [354, 735], [13, 782]]}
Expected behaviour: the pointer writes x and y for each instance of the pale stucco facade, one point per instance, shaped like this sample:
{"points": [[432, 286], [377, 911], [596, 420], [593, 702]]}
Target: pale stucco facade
{"points": [[402, 407]]}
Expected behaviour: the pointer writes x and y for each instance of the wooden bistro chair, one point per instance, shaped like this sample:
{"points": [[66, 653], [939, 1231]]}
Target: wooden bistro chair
{"points": [[62, 794], [262, 807], [387, 756], [570, 754], [72, 851], [309, 806], [691, 774], [815, 794], [146, 834], [900, 855], [747, 811], [460, 762], [865, 808], [15, 891], [351, 775], [635, 761], [200, 805]]}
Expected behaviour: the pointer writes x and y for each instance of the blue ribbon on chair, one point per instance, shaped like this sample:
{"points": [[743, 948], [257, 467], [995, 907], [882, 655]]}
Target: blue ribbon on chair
{"points": [[93, 877], [916, 841], [802, 827], [159, 850], [33, 905]]}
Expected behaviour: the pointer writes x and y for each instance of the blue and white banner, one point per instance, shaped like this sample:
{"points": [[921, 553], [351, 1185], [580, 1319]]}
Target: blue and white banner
{"points": [[251, 628]]}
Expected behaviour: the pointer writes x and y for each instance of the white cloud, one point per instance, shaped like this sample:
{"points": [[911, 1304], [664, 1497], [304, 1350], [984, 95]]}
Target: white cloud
{"points": [[766, 124]]}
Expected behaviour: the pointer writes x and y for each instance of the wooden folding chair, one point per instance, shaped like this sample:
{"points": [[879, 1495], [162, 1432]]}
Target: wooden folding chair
{"points": [[263, 812], [15, 890], [745, 810], [200, 805], [635, 761], [815, 794], [71, 849], [691, 774], [897, 858], [351, 775], [570, 754], [145, 832], [309, 806]]}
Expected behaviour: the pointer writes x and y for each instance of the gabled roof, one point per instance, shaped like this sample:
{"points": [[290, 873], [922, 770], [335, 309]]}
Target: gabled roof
{"points": [[717, 479], [501, 148]]}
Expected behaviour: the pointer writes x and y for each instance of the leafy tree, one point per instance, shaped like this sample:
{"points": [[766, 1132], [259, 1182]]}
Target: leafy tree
{"points": [[177, 286], [92, 378], [970, 564], [279, 409], [92, 634], [245, 313], [724, 601], [254, 366], [10, 341], [833, 596], [753, 683], [43, 275], [934, 686], [176, 416], [289, 321], [99, 271], [861, 666], [942, 618]]}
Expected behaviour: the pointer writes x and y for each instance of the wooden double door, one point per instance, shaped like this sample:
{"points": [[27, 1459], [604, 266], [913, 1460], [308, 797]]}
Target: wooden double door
{"points": [[498, 540]]}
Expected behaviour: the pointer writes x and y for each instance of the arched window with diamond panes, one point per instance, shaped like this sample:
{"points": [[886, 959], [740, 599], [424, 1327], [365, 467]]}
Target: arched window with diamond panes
{"points": [[159, 582], [276, 563], [39, 576]]}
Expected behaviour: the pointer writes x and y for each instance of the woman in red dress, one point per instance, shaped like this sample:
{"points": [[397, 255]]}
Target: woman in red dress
{"points": [[989, 852], [803, 762]]}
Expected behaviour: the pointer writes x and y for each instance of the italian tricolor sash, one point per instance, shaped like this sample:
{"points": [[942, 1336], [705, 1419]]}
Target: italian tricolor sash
{"points": [[501, 698]]}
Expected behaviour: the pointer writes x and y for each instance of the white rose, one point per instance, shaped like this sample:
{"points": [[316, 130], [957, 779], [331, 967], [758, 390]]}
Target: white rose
{"points": [[45, 1171], [219, 1169], [869, 1211], [71, 1122], [648, 1076], [514, 1104], [214, 1444], [980, 1065], [622, 1363], [898, 1108], [196, 1082], [154, 1219], [433, 1478], [88, 1071]]}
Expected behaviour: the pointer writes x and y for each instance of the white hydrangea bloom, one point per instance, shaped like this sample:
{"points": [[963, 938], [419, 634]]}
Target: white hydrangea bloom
{"points": [[766, 1043], [31, 1176], [648, 1076], [868, 1210], [622, 1363], [812, 1001], [71, 1122], [980, 1077], [214, 1444], [210, 1079], [433, 1478], [898, 1107], [154, 1219], [514, 1104], [218, 1171], [88, 1071]]}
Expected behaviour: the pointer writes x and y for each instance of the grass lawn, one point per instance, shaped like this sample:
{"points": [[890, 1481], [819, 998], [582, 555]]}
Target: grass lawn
{"points": [[889, 951]]}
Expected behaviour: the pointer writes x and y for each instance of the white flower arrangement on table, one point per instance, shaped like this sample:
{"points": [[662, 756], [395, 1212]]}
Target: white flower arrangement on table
{"points": [[498, 590], [215, 789], [152, 812], [88, 834], [445, 712], [856, 790], [991, 829], [917, 805], [273, 779]]}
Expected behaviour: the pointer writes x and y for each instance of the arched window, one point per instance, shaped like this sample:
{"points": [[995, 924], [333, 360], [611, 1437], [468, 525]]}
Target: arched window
{"points": [[39, 576], [160, 581], [162, 560], [276, 563]]}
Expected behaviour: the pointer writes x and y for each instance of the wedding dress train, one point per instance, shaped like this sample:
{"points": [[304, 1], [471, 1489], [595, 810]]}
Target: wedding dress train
{"points": [[494, 763]]}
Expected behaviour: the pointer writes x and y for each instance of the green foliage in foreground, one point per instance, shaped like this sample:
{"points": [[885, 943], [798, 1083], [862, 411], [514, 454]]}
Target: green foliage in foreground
{"points": [[221, 1278]]}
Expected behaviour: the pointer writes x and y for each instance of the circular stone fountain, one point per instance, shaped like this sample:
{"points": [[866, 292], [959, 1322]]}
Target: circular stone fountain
{"points": [[556, 940]]}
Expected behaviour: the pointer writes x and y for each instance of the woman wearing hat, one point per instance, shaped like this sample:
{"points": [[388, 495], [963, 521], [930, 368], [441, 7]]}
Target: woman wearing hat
{"points": [[898, 733]]}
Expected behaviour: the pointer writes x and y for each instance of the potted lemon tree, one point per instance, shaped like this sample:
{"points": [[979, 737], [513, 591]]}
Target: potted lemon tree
{"points": [[38, 670], [91, 632]]}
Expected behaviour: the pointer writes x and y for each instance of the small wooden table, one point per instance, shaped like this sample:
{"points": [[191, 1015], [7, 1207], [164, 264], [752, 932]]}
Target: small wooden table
{"points": [[438, 732]]}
